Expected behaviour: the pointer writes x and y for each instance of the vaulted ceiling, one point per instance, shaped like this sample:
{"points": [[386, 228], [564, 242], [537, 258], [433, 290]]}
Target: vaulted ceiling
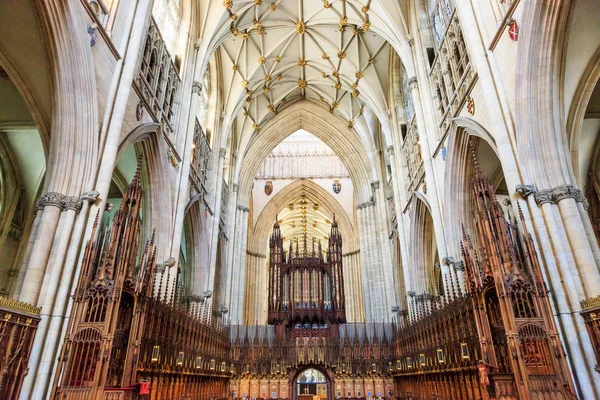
{"points": [[281, 52]]}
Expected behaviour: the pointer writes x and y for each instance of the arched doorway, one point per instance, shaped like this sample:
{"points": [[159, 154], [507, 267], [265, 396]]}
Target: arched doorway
{"points": [[311, 384]]}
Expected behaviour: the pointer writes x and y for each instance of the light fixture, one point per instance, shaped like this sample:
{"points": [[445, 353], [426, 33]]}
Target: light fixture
{"points": [[464, 351], [198, 362], [440, 356], [422, 361], [155, 353], [180, 358], [212, 364]]}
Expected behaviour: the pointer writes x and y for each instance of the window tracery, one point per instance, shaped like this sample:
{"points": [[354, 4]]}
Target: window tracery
{"points": [[451, 75], [158, 80]]}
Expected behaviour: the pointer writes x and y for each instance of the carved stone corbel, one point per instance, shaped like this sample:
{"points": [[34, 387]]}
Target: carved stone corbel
{"points": [[90, 197], [459, 266], [196, 87], [448, 260], [525, 190]]}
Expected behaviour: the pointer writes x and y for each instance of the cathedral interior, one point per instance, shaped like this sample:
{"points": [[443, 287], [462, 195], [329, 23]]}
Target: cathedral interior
{"points": [[299, 199]]}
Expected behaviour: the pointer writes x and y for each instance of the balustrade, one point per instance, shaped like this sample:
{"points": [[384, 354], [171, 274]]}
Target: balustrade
{"points": [[200, 162], [158, 81]]}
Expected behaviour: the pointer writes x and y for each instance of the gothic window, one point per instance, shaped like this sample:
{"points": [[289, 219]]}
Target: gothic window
{"points": [[167, 14]]}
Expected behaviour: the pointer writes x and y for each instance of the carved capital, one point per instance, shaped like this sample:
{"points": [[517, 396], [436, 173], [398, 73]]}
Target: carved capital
{"points": [[560, 193], [395, 309], [543, 196], [196, 87], [72, 203], [235, 187], [375, 185], [222, 152], [365, 204], [53, 199], [390, 150], [207, 294], [525, 190], [224, 310], [411, 293]]}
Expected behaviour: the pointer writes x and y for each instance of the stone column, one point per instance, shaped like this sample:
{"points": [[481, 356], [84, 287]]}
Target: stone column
{"points": [[365, 262]]}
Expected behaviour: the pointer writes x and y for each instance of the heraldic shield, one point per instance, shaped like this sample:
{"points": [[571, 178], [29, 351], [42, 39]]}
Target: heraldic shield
{"points": [[268, 187], [337, 186]]}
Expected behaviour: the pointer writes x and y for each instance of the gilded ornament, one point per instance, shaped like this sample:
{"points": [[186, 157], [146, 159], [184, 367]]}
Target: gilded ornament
{"points": [[278, 59], [245, 83], [279, 77], [326, 4], [335, 73], [335, 104], [245, 35], [338, 85], [268, 78], [359, 74], [366, 26], [302, 62], [249, 99], [228, 4], [323, 74], [300, 27], [354, 85], [341, 55], [283, 101], [273, 7], [266, 89], [261, 30], [322, 99], [356, 93], [249, 92], [371, 60], [351, 123], [234, 17], [235, 31], [271, 107], [365, 9], [257, 24], [245, 113], [344, 21], [262, 60], [258, 2], [256, 127], [356, 31], [361, 111], [235, 68], [302, 83]]}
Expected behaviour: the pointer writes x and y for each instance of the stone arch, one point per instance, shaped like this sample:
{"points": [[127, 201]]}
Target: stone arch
{"points": [[423, 253], [264, 224], [457, 178], [146, 137], [316, 120]]}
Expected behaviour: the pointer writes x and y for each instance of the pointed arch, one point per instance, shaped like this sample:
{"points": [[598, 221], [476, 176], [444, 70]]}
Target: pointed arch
{"points": [[264, 224]]}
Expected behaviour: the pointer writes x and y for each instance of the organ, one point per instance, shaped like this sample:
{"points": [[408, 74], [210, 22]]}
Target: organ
{"points": [[306, 288]]}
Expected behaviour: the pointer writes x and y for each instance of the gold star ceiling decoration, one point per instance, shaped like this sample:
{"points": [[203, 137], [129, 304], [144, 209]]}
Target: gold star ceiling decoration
{"points": [[280, 52]]}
